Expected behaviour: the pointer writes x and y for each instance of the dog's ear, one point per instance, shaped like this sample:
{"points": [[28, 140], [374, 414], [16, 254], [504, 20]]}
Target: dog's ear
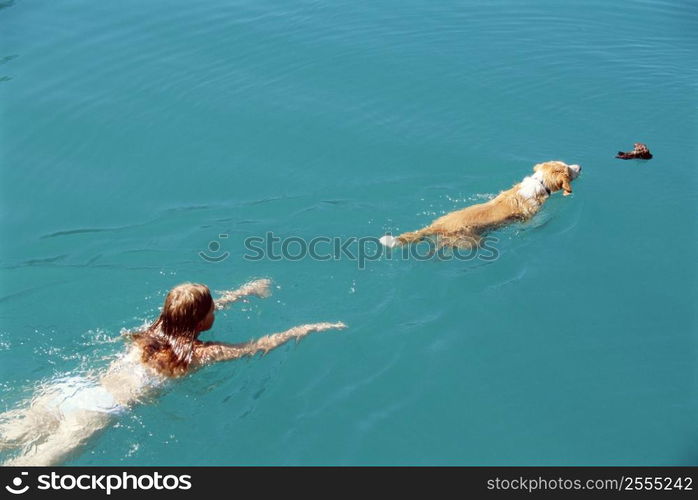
{"points": [[565, 180]]}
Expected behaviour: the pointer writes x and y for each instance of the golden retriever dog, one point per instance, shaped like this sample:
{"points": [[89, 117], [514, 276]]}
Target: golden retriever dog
{"points": [[464, 228]]}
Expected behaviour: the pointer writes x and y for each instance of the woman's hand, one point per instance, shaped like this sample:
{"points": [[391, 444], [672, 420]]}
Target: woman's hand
{"points": [[259, 288]]}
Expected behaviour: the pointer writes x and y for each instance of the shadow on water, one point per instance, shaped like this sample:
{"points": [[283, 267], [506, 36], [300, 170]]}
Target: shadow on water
{"points": [[5, 60]]}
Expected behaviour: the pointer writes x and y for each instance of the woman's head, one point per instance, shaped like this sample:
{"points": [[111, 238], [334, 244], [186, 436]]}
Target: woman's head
{"points": [[188, 308], [169, 342]]}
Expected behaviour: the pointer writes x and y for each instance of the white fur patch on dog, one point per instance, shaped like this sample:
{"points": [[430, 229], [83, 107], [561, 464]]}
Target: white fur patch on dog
{"points": [[532, 186], [389, 241]]}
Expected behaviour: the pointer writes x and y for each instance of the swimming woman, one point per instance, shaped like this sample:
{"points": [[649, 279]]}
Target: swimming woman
{"points": [[64, 415]]}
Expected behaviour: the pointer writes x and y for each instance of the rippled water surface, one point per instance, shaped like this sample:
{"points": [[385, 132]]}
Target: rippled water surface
{"points": [[134, 134]]}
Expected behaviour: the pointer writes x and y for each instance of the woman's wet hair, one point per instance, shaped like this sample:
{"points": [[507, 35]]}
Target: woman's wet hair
{"points": [[168, 343]]}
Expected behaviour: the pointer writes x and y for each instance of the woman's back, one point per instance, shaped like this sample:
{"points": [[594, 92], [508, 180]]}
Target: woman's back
{"points": [[130, 380]]}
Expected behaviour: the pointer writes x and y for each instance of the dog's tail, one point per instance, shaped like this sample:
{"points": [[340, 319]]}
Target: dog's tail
{"points": [[405, 238]]}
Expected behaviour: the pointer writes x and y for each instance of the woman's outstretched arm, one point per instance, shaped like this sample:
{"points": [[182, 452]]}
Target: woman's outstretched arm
{"points": [[260, 288], [212, 352]]}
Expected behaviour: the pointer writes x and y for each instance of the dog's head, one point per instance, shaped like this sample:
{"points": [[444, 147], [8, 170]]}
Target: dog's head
{"points": [[556, 175]]}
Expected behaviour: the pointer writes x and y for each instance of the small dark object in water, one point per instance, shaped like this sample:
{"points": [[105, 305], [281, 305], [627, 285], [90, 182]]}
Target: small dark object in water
{"points": [[640, 152]]}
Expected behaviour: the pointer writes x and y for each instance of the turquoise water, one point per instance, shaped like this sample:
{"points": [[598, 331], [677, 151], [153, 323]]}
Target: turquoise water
{"points": [[133, 134]]}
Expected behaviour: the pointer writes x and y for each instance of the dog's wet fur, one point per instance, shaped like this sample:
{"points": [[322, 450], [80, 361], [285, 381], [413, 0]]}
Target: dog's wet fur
{"points": [[465, 228]]}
